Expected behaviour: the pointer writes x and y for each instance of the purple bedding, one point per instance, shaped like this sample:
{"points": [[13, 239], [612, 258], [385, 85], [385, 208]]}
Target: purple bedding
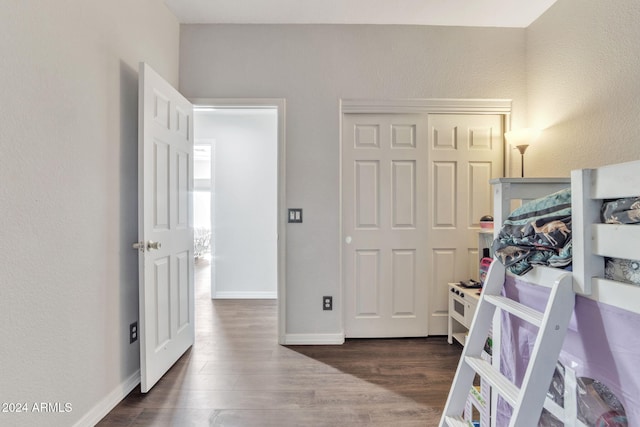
{"points": [[601, 346]]}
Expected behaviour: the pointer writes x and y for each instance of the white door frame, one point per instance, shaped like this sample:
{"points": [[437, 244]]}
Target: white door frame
{"points": [[408, 106], [279, 104]]}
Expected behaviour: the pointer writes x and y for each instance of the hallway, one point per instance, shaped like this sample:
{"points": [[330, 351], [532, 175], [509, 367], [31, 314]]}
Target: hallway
{"points": [[237, 375]]}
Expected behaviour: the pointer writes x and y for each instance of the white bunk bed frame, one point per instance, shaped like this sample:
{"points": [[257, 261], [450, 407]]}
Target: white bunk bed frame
{"points": [[592, 242]]}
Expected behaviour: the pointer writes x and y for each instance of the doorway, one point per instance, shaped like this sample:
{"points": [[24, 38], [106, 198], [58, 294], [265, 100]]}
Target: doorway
{"points": [[242, 144]]}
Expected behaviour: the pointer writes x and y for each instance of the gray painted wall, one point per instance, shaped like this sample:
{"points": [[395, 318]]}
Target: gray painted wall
{"points": [[68, 197], [313, 67], [583, 65]]}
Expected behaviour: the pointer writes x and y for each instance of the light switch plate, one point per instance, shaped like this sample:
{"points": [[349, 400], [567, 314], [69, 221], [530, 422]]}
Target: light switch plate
{"points": [[295, 215]]}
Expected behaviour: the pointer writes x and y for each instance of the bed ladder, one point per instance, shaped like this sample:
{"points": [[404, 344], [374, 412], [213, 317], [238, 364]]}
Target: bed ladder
{"points": [[527, 402]]}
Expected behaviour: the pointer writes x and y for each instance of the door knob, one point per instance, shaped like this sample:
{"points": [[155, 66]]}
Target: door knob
{"points": [[348, 240], [149, 246]]}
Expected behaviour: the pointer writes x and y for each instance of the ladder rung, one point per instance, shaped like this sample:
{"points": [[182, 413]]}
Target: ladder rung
{"points": [[456, 422], [555, 409], [503, 386], [520, 310]]}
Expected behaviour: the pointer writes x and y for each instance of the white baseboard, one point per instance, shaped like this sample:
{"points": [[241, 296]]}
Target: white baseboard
{"points": [[245, 295], [110, 401], [313, 339]]}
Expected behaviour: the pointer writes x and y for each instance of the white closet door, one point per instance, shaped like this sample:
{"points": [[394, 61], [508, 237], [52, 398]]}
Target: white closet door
{"points": [[465, 152], [384, 201]]}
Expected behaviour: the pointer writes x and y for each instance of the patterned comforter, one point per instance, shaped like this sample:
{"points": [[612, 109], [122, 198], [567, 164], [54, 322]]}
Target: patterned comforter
{"points": [[537, 233], [622, 211]]}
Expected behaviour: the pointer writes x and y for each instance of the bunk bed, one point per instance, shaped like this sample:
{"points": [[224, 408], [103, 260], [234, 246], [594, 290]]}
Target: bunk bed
{"points": [[597, 377]]}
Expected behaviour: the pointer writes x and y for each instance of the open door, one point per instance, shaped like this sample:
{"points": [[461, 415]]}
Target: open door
{"points": [[165, 229]]}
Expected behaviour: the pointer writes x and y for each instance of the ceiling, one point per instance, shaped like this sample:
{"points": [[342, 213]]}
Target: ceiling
{"points": [[474, 13]]}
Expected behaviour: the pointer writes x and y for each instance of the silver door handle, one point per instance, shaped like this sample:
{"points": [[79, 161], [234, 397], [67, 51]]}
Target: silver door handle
{"points": [[149, 246]]}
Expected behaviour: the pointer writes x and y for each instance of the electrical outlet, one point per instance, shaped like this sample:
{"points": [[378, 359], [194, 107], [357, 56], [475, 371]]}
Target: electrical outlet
{"points": [[133, 332], [327, 303]]}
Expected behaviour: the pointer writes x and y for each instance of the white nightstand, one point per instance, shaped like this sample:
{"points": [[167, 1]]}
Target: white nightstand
{"points": [[462, 307]]}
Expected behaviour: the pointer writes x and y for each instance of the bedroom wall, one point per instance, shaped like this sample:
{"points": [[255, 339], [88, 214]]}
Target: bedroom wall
{"points": [[583, 86], [313, 67], [68, 197]]}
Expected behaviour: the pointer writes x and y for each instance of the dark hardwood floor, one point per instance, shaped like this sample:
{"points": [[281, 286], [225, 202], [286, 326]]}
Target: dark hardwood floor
{"points": [[237, 375]]}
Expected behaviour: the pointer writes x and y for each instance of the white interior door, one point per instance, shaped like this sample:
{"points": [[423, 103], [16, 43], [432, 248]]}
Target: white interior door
{"points": [[165, 236], [465, 152], [384, 205]]}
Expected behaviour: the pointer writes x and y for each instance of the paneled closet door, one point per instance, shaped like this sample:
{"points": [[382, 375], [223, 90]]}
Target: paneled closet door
{"points": [[465, 152], [385, 230], [414, 187]]}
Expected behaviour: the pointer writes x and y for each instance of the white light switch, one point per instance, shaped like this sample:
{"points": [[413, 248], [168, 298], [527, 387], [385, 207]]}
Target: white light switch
{"points": [[295, 215]]}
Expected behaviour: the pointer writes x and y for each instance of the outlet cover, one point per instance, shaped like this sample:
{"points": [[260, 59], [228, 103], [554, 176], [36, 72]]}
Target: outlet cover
{"points": [[133, 332]]}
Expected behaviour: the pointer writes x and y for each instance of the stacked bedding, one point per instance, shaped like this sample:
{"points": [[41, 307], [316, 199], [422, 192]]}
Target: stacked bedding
{"points": [[539, 233], [622, 211]]}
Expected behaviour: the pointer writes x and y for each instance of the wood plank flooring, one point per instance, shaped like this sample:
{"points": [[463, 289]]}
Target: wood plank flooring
{"points": [[237, 375]]}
